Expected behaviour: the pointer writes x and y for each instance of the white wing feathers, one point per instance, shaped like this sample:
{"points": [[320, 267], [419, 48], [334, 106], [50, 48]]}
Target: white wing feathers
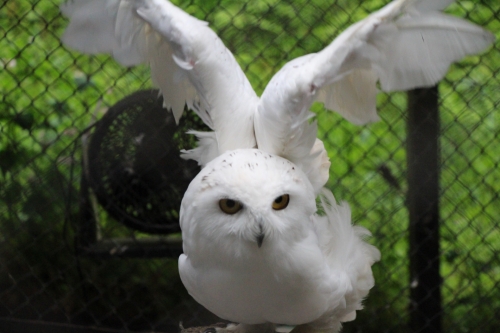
{"points": [[112, 27], [92, 26], [406, 44], [207, 148], [428, 5], [282, 125], [350, 258], [423, 48], [189, 63], [222, 86]]}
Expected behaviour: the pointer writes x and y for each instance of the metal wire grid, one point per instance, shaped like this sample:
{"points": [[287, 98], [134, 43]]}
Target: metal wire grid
{"points": [[50, 95]]}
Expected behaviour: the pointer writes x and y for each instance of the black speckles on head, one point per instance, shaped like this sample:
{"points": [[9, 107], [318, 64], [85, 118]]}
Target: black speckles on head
{"points": [[251, 166], [206, 179]]}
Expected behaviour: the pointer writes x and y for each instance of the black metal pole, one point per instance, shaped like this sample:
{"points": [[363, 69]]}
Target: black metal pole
{"points": [[423, 204]]}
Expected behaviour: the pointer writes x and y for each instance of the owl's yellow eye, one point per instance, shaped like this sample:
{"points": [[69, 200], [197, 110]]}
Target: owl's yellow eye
{"points": [[281, 202], [230, 206]]}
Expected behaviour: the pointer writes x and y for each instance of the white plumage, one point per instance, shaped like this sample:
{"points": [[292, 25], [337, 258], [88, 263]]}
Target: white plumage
{"points": [[258, 265], [266, 265], [406, 44]]}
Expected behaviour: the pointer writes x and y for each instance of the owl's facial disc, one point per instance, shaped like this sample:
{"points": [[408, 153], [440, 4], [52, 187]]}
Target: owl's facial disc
{"points": [[256, 200]]}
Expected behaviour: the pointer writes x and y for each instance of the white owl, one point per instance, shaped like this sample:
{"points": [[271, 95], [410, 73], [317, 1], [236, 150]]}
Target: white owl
{"points": [[255, 251]]}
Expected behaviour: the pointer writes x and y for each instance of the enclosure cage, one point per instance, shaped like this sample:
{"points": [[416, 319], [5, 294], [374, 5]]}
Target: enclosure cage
{"points": [[91, 179]]}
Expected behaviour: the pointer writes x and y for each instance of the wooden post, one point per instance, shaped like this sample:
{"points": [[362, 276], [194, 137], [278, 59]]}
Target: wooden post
{"points": [[423, 204]]}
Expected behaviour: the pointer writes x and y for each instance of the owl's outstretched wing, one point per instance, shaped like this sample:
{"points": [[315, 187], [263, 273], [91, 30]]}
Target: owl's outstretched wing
{"points": [[189, 63], [349, 257], [404, 45]]}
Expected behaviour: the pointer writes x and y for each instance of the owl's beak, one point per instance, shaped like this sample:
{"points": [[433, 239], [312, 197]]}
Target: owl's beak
{"points": [[259, 237]]}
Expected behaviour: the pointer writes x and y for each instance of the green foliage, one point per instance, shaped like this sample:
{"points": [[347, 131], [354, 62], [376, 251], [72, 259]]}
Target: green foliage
{"points": [[51, 94]]}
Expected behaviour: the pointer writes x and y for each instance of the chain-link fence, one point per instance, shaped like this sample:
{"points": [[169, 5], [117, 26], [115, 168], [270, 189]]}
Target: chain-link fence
{"points": [[70, 255]]}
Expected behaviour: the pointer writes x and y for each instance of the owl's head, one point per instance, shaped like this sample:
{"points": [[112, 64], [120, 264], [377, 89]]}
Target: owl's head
{"points": [[246, 198]]}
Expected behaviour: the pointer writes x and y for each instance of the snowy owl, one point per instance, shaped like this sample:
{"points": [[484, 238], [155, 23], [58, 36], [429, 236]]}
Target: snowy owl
{"points": [[255, 251]]}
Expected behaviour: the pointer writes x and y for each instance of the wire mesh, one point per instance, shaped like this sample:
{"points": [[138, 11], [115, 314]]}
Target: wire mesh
{"points": [[51, 97]]}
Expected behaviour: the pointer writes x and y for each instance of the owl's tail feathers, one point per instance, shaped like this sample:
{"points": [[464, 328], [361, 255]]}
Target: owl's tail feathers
{"points": [[349, 255]]}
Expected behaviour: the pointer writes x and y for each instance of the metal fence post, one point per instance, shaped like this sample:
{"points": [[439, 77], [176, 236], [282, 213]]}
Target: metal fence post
{"points": [[423, 203]]}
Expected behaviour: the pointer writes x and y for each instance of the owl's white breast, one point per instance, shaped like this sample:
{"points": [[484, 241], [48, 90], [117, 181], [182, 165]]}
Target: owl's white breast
{"points": [[278, 283]]}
